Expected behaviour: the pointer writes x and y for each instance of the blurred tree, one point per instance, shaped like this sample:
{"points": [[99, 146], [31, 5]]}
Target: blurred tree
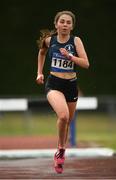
{"points": [[21, 22]]}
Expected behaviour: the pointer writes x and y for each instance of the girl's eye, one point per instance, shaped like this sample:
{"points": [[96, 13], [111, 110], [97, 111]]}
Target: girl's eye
{"points": [[68, 22], [61, 21]]}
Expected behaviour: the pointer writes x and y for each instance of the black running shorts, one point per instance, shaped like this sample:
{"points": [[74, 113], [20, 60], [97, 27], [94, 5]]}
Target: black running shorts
{"points": [[67, 86]]}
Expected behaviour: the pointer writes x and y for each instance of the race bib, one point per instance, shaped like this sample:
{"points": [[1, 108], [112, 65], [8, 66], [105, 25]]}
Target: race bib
{"points": [[62, 64]]}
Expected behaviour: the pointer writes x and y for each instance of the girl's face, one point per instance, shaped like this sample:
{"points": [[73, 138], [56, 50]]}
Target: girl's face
{"points": [[64, 24]]}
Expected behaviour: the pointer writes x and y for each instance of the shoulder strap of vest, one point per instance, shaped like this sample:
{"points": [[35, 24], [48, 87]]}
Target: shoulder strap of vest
{"points": [[52, 39], [72, 39]]}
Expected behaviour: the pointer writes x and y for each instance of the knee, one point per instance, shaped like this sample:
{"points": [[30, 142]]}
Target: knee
{"points": [[64, 117]]}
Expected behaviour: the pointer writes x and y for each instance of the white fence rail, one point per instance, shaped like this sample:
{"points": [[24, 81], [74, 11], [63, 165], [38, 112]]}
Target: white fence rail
{"points": [[22, 104]]}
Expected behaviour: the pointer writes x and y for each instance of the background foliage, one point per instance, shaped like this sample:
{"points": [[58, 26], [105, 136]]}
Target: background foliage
{"points": [[20, 23]]}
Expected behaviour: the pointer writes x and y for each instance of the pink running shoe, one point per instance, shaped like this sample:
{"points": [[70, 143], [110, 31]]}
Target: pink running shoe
{"points": [[59, 160]]}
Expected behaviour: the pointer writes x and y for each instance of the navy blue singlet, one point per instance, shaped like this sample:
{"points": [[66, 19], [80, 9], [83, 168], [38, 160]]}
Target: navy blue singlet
{"points": [[60, 63]]}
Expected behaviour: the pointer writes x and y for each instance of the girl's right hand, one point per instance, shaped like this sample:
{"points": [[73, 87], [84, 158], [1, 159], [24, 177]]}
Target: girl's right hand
{"points": [[40, 79]]}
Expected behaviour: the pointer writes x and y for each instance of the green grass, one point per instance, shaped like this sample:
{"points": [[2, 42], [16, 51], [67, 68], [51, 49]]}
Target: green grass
{"points": [[26, 124], [98, 128]]}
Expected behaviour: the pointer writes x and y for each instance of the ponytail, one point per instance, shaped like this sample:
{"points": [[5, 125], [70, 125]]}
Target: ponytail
{"points": [[44, 33]]}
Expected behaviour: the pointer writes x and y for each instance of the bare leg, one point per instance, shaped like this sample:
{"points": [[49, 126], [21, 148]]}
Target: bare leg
{"points": [[71, 107], [59, 104]]}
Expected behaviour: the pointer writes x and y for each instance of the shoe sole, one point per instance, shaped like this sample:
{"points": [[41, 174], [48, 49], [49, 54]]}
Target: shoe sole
{"points": [[58, 165], [59, 168]]}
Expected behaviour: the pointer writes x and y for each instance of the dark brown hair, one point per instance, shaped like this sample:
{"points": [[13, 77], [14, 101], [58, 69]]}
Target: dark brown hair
{"points": [[45, 33]]}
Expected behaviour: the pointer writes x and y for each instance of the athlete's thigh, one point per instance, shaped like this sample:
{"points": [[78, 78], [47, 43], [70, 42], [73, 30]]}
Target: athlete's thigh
{"points": [[58, 102], [72, 108]]}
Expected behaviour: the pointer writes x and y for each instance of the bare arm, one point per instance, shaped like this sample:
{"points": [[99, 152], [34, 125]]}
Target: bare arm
{"points": [[41, 61], [82, 59]]}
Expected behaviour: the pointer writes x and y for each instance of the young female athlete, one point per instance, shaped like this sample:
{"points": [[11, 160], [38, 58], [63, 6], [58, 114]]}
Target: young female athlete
{"points": [[66, 53]]}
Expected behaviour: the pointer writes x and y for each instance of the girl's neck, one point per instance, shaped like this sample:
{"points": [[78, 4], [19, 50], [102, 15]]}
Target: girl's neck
{"points": [[62, 38]]}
